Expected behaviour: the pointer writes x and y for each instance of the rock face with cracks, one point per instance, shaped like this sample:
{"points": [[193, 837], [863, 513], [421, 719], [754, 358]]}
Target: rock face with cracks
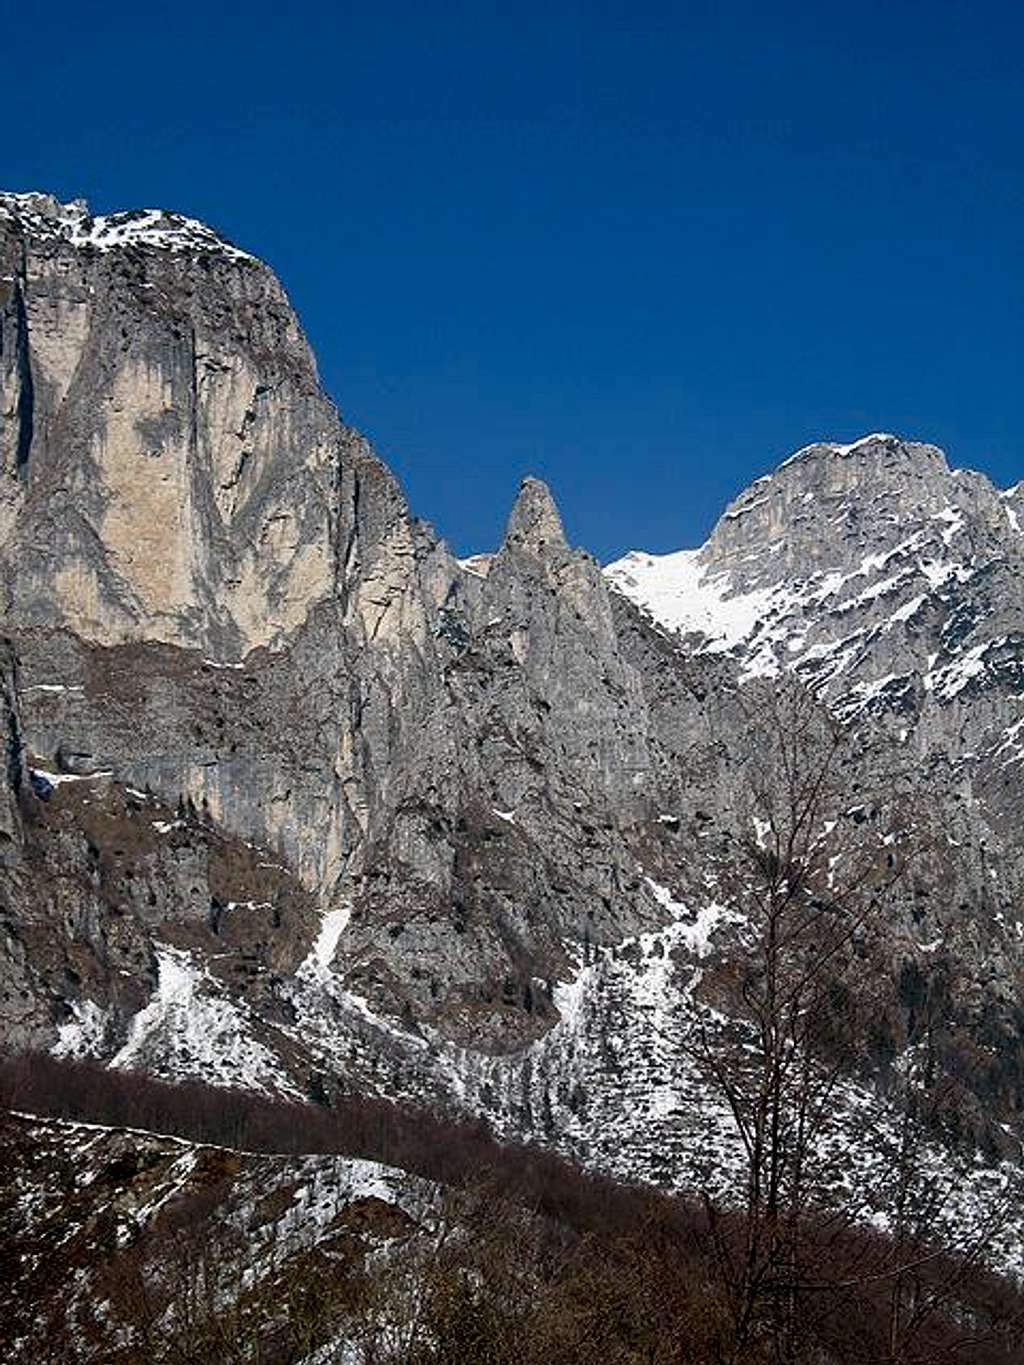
{"points": [[217, 596], [276, 762]]}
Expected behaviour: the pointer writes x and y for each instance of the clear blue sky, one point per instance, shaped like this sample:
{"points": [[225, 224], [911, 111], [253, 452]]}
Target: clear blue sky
{"points": [[642, 250]]}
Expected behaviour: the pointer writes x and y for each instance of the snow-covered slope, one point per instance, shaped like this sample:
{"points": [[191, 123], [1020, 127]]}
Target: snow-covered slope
{"points": [[119, 1238], [872, 571]]}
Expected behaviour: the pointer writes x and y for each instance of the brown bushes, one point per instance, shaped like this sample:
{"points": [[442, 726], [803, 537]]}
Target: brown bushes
{"points": [[534, 1262], [413, 1139]]}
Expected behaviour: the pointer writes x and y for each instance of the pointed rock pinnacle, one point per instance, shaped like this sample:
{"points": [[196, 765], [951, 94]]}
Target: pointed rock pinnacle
{"points": [[534, 524]]}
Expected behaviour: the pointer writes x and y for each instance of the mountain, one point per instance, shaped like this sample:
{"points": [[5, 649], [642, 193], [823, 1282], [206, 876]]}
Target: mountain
{"points": [[295, 800], [871, 570]]}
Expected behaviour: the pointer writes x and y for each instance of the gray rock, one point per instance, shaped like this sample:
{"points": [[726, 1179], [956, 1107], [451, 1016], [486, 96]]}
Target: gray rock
{"points": [[427, 827]]}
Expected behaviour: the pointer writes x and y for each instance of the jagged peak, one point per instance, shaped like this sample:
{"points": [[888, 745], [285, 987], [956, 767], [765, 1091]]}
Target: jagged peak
{"points": [[38, 204], [157, 229], [854, 471], [862, 447], [535, 523]]}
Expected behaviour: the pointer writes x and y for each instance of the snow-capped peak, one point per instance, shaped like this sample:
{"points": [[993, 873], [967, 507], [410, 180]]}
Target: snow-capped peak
{"points": [[838, 448], [153, 229], [855, 574]]}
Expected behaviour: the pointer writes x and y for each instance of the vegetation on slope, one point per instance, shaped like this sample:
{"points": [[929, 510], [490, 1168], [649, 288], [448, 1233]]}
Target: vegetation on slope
{"points": [[502, 1255]]}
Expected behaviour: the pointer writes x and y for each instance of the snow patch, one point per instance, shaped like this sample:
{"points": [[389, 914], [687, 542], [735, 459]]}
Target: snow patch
{"points": [[835, 447], [477, 565], [57, 779], [950, 680], [332, 926], [156, 229], [954, 519], [680, 593], [83, 1035], [188, 1029]]}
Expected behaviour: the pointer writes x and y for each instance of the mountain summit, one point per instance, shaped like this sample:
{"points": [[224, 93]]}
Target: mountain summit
{"points": [[858, 568]]}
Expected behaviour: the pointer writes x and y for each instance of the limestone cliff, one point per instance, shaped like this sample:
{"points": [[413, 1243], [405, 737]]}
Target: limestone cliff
{"points": [[171, 469], [294, 799], [218, 596]]}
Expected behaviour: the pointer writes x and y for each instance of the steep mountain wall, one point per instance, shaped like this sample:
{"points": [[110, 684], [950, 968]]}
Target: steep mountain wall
{"points": [[296, 800], [218, 597]]}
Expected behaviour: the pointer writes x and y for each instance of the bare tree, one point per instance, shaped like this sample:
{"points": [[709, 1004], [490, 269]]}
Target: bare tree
{"points": [[813, 866], [826, 834]]}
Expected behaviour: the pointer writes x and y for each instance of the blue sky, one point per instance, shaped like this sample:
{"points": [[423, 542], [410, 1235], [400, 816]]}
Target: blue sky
{"points": [[642, 250]]}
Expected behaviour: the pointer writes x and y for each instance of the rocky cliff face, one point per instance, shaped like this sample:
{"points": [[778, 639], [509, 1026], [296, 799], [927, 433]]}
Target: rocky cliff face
{"points": [[219, 599], [294, 799], [172, 471], [886, 581]]}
